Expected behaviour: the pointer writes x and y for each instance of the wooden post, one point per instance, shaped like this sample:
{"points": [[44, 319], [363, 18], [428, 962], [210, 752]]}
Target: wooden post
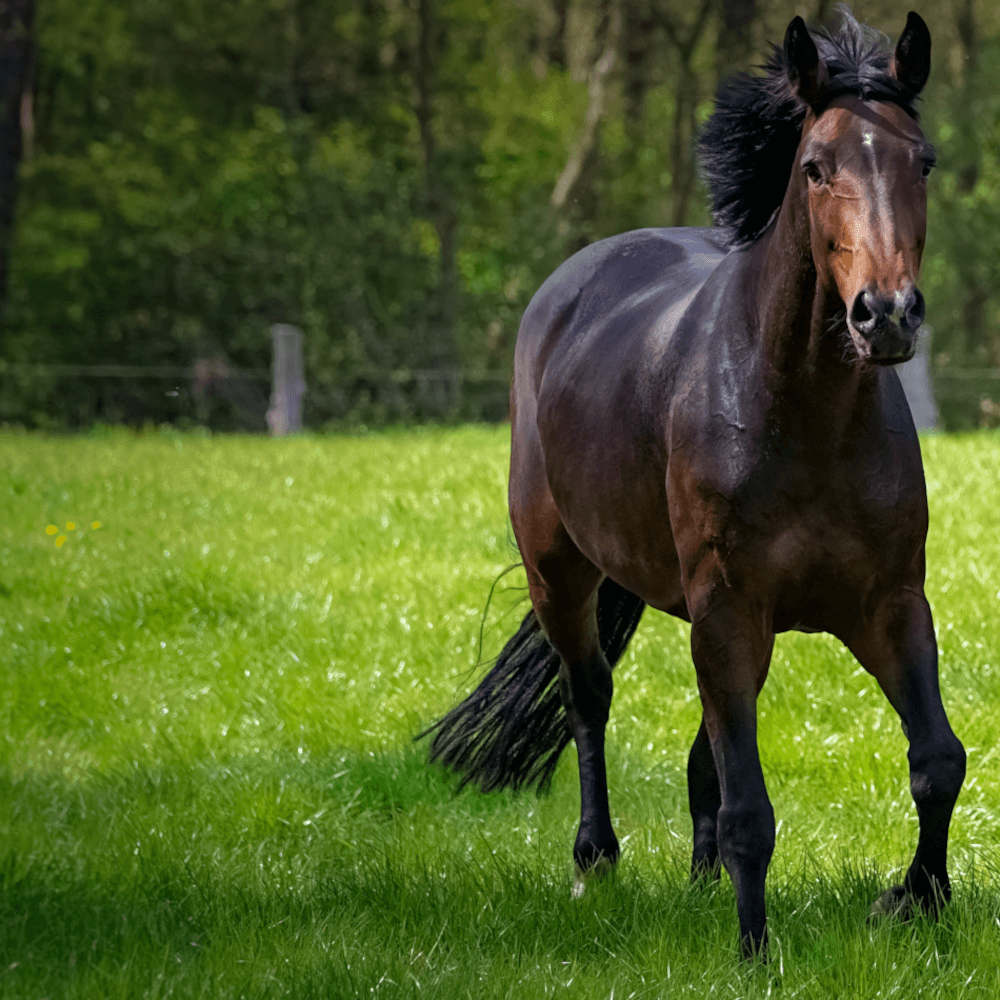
{"points": [[916, 378], [287, 381]]}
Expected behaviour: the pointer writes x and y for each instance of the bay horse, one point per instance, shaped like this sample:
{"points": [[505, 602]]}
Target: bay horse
{"points": [[707, 421]]}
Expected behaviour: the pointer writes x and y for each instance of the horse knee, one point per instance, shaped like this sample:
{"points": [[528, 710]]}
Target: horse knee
{"points": [[746, 836], [936, 775]]}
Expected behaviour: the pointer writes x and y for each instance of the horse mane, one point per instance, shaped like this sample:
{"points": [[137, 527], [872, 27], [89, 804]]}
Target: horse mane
{"points": [[748, 144]]}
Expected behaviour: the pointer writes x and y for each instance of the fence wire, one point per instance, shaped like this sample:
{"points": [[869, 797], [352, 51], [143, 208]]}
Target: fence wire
{"points": [[223, 397]]}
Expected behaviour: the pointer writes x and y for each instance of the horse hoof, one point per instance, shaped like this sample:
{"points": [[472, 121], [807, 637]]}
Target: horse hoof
{"points": [[596, 872], [705, 871], [894, 904]]}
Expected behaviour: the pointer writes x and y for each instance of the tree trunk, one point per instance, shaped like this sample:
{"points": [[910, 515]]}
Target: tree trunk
{"points": [[440, 206], [965, 22], [825, 15], [557, 40], [735, 45], [975, 297], [682, 144], [638, 25], [596, 94], [16, 55], [682, 152], [576, 193]]}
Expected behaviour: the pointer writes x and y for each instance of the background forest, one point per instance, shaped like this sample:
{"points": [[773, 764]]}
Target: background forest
{"points": [[397, 177]]}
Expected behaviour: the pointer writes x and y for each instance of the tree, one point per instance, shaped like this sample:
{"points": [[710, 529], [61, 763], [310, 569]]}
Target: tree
{"points": [[585, 149], [16, 55], [396, 177], [432, 39], [734, 47], [685, 38]]}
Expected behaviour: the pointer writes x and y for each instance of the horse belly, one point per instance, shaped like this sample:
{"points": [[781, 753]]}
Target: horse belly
{"points": [[613, 505]]}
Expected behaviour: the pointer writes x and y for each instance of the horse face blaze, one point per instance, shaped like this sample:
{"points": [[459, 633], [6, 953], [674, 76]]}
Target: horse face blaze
{"points": [[866, 167]]}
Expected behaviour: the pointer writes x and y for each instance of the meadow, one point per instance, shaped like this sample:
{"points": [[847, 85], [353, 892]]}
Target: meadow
{"points": [[215, 654]]}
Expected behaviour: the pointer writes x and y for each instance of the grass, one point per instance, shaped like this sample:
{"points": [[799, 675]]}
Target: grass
{"points": [[208, 785]]}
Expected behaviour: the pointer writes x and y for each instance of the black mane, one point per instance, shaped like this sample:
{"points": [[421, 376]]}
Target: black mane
{"points": [[748, 144]]}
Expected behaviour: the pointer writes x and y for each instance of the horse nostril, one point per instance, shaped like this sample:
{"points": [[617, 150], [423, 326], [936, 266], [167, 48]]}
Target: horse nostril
{"points": [[867, 312], [913, 309]]}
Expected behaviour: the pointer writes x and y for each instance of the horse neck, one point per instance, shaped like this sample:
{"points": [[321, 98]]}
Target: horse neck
{"points": [[794, 319]]}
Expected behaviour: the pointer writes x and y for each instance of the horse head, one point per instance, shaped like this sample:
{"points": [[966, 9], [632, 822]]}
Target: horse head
{"points": [[864, 163]]}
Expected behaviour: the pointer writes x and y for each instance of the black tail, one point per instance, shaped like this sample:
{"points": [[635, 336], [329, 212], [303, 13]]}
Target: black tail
{"points": [[510, 731]]}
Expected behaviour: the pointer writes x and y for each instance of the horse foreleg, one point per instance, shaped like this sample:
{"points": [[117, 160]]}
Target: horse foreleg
{"points": [[731, 656], [704, 799], [899, 648]]}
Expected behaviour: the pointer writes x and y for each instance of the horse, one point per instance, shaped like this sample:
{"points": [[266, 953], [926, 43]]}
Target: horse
{"points": [[707, 421]]}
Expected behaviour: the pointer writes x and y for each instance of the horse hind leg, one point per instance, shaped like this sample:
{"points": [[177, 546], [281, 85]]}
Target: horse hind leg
{"points": [[550, 683], [587, 622], [704, 800], [564, 593]]}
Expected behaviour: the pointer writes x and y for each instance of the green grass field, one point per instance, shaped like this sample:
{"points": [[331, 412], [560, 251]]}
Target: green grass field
{"points": [[208, 785]]}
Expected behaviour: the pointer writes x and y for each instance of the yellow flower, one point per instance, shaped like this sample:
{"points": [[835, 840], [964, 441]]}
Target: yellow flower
{"points": [[51, 529], [60, 541], [95, 525], [71, 526]]}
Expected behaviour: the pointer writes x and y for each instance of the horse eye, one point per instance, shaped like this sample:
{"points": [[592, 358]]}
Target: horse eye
{"points": [[812, 172], [928, 167]]}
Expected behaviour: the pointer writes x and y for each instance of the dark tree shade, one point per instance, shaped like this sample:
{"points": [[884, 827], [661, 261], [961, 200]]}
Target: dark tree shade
{"points": [[16, 19], [735, 45]]}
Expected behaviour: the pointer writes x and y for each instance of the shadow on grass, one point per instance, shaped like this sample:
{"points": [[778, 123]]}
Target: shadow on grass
{"points": [[361, 875]]}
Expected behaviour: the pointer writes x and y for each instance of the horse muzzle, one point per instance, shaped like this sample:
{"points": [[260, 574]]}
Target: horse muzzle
{"points": [[885, 329]]}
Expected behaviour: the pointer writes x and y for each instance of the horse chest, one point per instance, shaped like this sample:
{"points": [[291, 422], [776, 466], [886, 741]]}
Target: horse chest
{"points": [[816, 557], [814, 548]]}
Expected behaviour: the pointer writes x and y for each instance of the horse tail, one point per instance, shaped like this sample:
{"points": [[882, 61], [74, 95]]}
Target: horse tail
{"points": [[510, 731]]}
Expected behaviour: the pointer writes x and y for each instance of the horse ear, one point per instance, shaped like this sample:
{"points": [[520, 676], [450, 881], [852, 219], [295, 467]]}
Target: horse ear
{"points": [[806, 71], [911, 63]]}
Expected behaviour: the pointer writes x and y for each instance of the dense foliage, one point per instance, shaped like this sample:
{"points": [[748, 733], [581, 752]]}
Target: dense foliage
{"points": [[397, 177]]}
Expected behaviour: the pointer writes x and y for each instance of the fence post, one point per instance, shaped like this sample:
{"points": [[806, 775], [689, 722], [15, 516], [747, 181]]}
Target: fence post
{"points": [[915, 375], [287, 381]]}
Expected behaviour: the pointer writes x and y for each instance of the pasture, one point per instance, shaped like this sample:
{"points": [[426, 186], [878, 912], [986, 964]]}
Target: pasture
{"points": [[209, 686]]}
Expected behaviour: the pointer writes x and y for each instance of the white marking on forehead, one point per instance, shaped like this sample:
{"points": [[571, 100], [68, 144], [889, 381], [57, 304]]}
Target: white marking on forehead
{"points": [[883, 199], [868, 139]]}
